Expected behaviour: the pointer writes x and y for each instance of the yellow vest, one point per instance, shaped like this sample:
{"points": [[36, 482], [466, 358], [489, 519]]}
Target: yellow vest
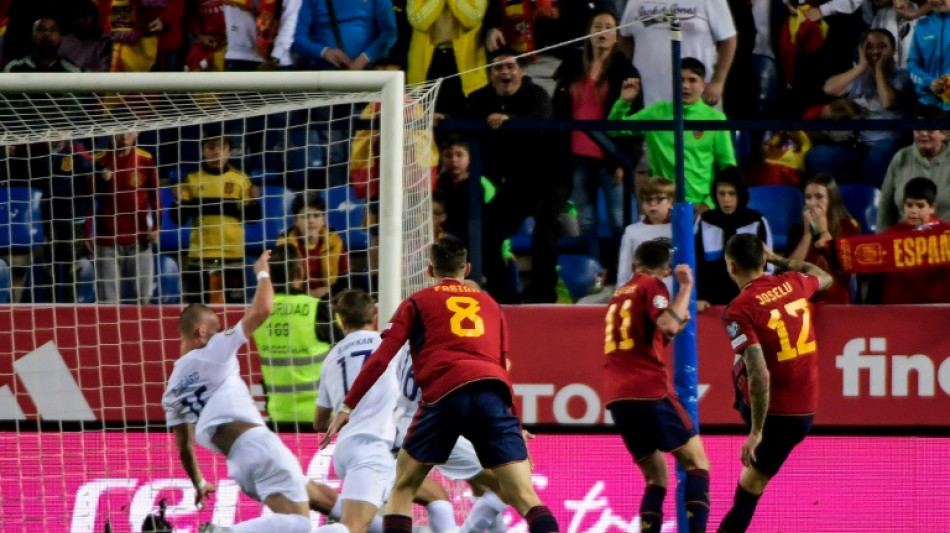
{"points": [[291, 358]]}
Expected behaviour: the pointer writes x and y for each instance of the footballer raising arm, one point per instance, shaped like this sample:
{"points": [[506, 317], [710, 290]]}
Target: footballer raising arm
{"points": [[824, 279]]}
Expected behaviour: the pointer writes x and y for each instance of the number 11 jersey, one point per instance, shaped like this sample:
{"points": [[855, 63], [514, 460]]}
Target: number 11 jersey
{"points": [[773, 312]]}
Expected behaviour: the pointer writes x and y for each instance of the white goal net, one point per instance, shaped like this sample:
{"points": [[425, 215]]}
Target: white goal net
{"points": [[124, 197]]}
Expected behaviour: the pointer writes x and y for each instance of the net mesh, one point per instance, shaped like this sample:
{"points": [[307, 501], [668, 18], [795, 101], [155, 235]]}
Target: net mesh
{"points": [[115, 210]]}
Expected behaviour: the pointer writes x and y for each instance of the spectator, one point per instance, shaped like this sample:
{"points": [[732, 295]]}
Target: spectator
{"points": [[881, 91], [45, 57], [321, 248], [900, 21], [125, 218], [526, 26], [204, 21], [713, 229], [527, 181], [344, 35], [135, 29], [260, 36], [446, 40], [824, 220], [927, 157], [218, 199], [455, 189], [656, 197], [439, 216], [587, 85], [928, 60], [708, 34], [925, 286], [706, 152], [86, 44]]}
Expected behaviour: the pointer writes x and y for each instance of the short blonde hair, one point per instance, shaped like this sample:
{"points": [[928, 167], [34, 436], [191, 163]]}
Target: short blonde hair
{"points": [[657, 185]]}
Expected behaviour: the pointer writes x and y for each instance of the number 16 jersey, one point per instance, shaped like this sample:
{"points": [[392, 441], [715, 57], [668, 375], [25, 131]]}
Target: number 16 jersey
{"points": [[773, 312]]}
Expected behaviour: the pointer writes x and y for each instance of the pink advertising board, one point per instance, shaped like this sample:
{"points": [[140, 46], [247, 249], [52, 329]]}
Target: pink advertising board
{"points": [[74, 482]]}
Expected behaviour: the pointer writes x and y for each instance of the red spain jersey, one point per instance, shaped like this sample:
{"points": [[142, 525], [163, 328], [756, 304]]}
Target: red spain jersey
{"points": [[126, 204], [456, 334], [773, 312], [633, 344]]}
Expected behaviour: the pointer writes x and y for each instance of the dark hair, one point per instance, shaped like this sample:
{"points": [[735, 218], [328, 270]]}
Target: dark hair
{"points": [[654, 254], [837, 212], [589, 49], [439, 197], [881, 31], [190, 316], [747, 251], [731, 175], [355, 308], [448, 256], [454, 139], [921, 189], [693, 65], [505, 51], [311, 199], [217, 140], [284, 267]]}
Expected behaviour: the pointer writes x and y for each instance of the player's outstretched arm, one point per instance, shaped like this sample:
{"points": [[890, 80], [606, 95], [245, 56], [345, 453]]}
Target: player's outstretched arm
{"points": [[758, 374], [677, 314], [824, 279], [263, 302], [185, 441]]}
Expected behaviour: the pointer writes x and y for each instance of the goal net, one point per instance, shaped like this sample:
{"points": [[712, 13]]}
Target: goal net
{"points": [[122, 198]]}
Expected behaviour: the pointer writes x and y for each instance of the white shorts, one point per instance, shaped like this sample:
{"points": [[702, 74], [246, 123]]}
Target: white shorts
{"points": [[262, 465], [462, 463], [367, 468]]}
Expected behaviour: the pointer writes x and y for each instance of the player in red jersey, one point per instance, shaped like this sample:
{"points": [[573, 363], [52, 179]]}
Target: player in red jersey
{"points": [[651, 420], [777, 377], [458, 341]]}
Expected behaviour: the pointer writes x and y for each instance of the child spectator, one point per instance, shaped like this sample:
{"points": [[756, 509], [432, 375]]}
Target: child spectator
{"points": [[439, 216], [454, 187], [706, 151], [824, 220], [714, 227], [588, 83], [881, 91], [928, 60], [927, 157], [124, 186], [86, 44], [322, 249], [219, 199], [928, 286], [656, 199]]}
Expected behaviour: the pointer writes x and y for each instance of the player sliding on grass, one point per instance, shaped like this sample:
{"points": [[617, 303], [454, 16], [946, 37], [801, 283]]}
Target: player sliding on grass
{"points": [[458, 342]]}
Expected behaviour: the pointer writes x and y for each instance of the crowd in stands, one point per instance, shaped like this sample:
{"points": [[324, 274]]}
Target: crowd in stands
{"points": [[562, 193]]}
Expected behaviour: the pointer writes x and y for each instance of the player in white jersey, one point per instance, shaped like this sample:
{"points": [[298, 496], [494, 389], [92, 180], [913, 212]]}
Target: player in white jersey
{"points": [[362, 457], [462, 464], [208, 402]]}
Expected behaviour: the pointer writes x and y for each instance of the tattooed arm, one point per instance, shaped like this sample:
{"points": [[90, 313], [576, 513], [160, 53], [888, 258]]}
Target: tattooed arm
{"points": [[758, 398], [824, 279]]}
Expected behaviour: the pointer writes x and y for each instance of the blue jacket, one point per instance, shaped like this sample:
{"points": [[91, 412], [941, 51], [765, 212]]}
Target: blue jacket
{"points": [[366, 27], [929, 56]]}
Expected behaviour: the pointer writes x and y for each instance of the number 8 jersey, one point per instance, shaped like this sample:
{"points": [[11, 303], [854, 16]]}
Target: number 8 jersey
{"points": [[206, 388], [773, 312]]}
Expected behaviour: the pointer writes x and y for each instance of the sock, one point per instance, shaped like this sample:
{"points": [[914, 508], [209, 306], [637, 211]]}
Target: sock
{"points": [[540, 520], [651, 509], [285, 523], [738, 518], [397, 523], [484, 513], [697, 499], [442, 517], [337, 512], [376, 526]]}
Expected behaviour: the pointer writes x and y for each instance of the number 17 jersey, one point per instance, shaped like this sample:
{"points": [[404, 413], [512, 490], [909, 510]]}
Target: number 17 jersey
{"points": [[374, 415], [773, 312]]}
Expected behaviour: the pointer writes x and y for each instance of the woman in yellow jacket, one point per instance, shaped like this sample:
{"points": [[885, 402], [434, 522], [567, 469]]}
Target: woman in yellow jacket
{"points": [[322, 250]]}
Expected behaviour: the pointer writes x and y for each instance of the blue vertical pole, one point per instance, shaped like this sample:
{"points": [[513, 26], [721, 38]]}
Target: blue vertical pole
{"points": [[685, 379]]}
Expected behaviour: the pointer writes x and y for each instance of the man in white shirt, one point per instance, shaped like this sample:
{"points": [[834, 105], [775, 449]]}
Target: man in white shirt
{"points": [[708, 35], [207, 401], [362, 457]]}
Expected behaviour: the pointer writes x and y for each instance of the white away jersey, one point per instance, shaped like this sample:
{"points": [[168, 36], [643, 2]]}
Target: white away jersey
{"points": [[409, 395], [374, 414], [206, 388]]}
